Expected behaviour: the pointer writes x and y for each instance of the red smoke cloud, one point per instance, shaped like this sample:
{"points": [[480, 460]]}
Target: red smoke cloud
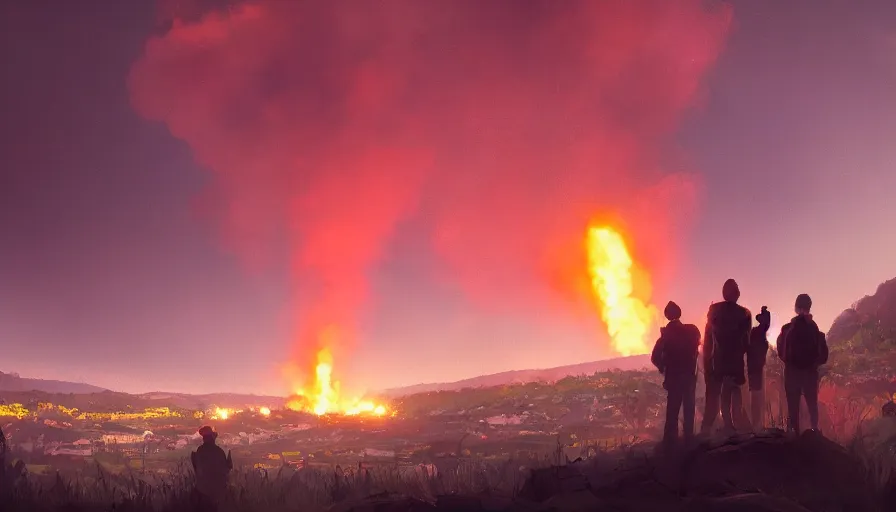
{"points": [[507, 125]]}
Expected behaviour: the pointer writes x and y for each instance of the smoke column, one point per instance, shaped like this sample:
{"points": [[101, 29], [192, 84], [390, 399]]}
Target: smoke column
{"points": [[507, 125]]}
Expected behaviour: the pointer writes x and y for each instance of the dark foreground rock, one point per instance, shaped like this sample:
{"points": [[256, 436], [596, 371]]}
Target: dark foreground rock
{"points": [[810, 470], [385, 504], [771, 472], [744, 503], [546, 483]]}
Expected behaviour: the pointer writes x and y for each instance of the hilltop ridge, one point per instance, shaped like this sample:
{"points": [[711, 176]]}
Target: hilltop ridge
{"points": [[524, 376], [13, 382], [16, 388], [199, 402], [862, 342]]}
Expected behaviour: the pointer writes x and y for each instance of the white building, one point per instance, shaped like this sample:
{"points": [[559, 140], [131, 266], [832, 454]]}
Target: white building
{"points": [[119, 438], [71, 450]]}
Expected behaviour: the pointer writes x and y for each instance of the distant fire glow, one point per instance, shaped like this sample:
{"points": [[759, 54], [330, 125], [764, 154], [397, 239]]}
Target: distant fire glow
{"points": [[610, 264], [223, 413], [19, 411], [323, 396]]}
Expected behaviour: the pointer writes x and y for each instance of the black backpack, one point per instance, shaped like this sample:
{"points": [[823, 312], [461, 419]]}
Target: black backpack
{"points": [[730, 331], [802, 344], [682, 343]]}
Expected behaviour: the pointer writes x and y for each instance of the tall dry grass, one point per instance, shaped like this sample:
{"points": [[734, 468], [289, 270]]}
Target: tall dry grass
{"points": [[253, 490]]}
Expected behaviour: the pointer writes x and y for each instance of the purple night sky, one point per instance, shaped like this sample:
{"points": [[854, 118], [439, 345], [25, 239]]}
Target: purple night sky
{"points": [[114, 271]]}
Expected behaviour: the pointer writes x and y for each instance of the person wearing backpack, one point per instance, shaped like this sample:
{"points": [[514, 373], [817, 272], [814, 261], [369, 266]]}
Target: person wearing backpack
{"points": [[725, 343], [756, 357], [802, 348], [675, 356]]}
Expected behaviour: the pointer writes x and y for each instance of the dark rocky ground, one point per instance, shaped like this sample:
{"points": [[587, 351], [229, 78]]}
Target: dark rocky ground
{"points": [[765, 472]]}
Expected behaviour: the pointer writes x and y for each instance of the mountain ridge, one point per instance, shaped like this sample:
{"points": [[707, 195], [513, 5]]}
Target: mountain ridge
{"points": [[522, 376], [12, 382], [205, 400], [862, 342]]}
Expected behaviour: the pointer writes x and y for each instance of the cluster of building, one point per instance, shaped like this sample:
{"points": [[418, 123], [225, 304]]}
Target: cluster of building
{"points": [[86, 447]]}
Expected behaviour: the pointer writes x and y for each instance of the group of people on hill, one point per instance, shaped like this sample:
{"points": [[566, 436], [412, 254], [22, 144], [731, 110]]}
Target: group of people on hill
{"points": [[730, 343]]}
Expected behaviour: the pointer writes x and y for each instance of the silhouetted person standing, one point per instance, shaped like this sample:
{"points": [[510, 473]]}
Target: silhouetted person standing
{"points": [[757, 353], [675, 356], [211, 466], [803, 348], [3, 447], [725, 343], [889, 408]]}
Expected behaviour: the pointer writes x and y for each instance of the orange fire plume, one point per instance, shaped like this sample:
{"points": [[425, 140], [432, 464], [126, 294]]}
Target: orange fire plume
{"points": [[628, 318], [323, 395]]}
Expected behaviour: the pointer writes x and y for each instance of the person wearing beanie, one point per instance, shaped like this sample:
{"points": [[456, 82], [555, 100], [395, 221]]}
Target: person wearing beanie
{"points": [[725, 342], [803, 304], [730, 291], [672, 312], [802, 348], [757, 353], [675, 356]]}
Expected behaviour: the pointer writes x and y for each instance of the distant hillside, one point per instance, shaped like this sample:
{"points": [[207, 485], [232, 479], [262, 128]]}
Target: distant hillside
{"points": [[21, 388], [862, 341], [878, 309], [522, 376], [12, 382], [229, 400]]}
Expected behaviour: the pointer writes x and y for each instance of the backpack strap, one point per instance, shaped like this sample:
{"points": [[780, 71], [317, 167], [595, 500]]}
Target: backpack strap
{"points": [[823, 352]]}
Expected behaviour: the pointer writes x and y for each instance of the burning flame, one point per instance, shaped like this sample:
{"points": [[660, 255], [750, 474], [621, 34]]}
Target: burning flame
{"points": [[223, 413], [323, 397], [264, 411], [628, 318]]}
